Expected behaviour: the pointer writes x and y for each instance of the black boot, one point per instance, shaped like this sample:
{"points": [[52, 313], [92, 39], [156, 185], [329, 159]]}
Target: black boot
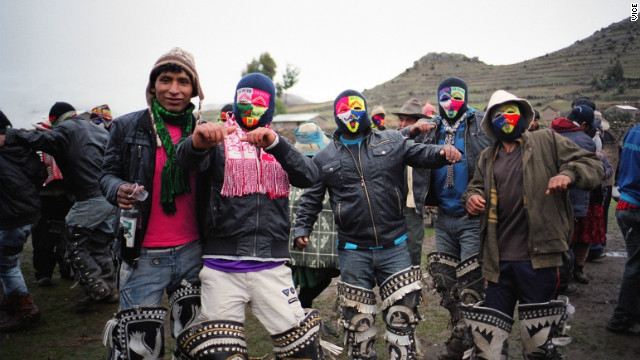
{"points": [[490, 331], [212, 340], [542, 329], [87, 271], [136, 333], [25, 313], [357, 317], [579, 275]]}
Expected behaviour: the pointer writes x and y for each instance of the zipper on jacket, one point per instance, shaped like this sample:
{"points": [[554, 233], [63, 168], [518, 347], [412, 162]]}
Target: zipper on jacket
{"points": [[339, 213], [399, 200], [364, 185]]}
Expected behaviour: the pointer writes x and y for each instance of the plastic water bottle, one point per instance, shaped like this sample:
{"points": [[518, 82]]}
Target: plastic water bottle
{"points": [[129, 224]]}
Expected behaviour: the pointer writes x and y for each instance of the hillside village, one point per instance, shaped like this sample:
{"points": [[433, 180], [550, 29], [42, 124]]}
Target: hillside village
{"points": [[549, 81]]}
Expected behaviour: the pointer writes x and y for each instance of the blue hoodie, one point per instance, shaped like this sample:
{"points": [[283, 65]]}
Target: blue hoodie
{"points": [[629, 175]]}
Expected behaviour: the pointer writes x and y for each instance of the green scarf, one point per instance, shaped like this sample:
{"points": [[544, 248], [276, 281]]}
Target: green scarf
{"points": [[174, 179]]}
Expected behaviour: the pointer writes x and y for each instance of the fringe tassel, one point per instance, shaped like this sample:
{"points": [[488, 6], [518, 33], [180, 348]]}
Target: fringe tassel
{"points": [[402, 340], [362, 308], [400, 293], [330, 349], [107, 335]]}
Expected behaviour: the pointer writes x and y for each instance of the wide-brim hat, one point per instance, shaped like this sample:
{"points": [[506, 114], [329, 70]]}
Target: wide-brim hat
{"points": [[310, 138], [502, 97], [413, 107]]}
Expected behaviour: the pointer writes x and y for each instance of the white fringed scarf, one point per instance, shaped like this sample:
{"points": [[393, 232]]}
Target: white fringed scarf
{"points": [[249, 170]]}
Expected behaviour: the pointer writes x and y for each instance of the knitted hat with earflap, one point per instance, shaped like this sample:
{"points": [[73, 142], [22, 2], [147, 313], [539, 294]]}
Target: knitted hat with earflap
{"points": [[185, 60], [359, 119], [445, 87], [255, 93]]}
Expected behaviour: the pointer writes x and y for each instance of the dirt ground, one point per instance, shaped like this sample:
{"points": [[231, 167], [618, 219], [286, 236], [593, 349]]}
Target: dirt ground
{"points": [[594, 305]]}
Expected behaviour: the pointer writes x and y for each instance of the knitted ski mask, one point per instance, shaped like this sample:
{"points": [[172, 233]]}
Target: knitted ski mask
{"points": [[452, 98], [507, 122], [254, 102], [350, 112]]}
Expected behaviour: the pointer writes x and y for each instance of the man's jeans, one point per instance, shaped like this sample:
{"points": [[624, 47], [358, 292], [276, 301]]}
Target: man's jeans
{"points": [[11, 244], [628, 308], [366, 268], [157, 271], [457, 235]]}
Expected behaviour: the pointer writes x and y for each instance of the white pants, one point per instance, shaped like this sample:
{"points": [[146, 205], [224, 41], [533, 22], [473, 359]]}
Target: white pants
{"points": [[270, 294]]}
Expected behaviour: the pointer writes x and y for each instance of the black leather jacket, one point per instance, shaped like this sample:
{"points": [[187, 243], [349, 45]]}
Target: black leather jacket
{"points": [[78, 147], [21, 176], [249, 226], [475, 141], [131, 157], [365, 188]]}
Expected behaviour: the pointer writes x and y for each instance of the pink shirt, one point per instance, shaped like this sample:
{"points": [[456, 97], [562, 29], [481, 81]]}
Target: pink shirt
{"points": [[177, 229]]}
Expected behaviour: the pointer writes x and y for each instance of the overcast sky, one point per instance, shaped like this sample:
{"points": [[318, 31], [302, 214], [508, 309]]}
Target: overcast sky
{"points": [[91, 52]]}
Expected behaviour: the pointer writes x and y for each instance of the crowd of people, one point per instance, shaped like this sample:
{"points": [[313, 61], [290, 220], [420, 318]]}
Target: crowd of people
{"points": [[227, 215]]}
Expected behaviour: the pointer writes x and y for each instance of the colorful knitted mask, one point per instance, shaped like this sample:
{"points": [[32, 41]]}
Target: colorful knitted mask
{"points": [[378, 119], [452, 98], [507, 123], [251, 104], [350, 112], [254, 101]]}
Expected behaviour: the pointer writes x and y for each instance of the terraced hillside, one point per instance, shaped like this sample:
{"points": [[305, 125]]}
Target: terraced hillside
{"points": [[551, 79]]}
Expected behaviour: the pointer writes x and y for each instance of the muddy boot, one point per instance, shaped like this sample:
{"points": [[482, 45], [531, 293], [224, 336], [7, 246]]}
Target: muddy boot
{"points": [[579, 275], [87, 270], [136, 333], [442, 268], [401, 293], [26, 313], [357, 308], [543, 328], [490, 331]]}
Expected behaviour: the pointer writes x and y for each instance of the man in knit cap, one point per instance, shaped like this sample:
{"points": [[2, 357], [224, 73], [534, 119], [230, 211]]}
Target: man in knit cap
{"points": [[165, 255], [362, 169], [78, 147], [453, 265], [250, 169]]}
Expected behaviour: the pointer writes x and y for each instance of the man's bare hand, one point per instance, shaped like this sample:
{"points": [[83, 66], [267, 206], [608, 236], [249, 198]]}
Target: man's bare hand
{"points": [[450, 153], [2, 140], [207, 135], [558, 183], [123, 196], [421, 127], [475, 204], [301, 242], [260, 137]]}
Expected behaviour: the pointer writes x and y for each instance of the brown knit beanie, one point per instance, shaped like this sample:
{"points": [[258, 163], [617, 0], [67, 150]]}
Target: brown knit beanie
{"points": [[185, 60]]}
